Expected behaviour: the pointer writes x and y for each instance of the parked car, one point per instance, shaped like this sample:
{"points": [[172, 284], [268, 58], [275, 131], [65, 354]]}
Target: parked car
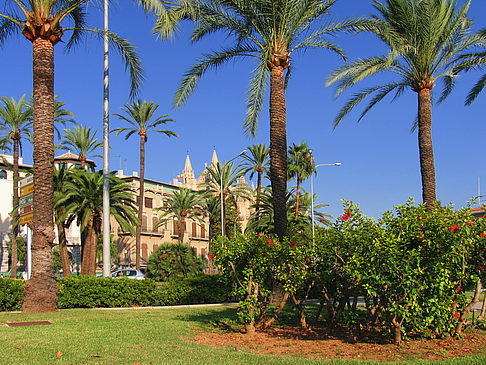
{"points": [[129, 274]]}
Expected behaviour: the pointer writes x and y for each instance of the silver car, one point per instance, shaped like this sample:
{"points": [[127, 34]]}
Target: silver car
{"points": [[129, 274]]}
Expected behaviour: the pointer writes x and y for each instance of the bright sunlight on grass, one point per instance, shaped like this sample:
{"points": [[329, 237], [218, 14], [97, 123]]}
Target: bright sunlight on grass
{"points": [[138, 336]]}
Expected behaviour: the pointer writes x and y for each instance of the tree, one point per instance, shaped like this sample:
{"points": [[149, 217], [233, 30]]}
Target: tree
{"points": [[83, 201], [270, 32], [264, 222], [61, 176], [257, 163], [301, 166], [424, 38], [181, 205], [173, 261], [40, 22], [139, 115], [82, 141], [470, 61], [15, 123], [224, 179]]}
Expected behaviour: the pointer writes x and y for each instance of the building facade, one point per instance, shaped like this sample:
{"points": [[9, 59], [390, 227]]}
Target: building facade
{"points": [[155, 193]]}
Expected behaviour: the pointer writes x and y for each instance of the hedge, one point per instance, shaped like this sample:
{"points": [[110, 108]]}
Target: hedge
{"points": [[11, 294], [93, 292]]}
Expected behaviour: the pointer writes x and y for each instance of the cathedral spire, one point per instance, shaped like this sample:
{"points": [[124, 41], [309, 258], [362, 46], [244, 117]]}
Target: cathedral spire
{"points": [[214, 160]]}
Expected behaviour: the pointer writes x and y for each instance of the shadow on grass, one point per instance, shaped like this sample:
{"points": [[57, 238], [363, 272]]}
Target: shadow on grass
{"points": [[225, 320]]}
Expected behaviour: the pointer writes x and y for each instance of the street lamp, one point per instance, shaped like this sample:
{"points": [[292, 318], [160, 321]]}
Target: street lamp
{"points": [[221, 187], [312, 191]]}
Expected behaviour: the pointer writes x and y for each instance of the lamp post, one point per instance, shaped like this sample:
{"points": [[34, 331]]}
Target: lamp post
{"points": [[221, 187], [312, 191]]}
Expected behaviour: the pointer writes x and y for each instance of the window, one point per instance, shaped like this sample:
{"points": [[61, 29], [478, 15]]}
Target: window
{"points": [[3, 175], [194, 228], [148, 202], [144, 223], [144, 251], [203, 252], [154, 222], [63, 165], [176, 227], [203, 231]]}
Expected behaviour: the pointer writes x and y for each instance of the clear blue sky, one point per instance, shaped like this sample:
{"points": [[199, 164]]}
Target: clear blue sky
{"points": [[379, 156]]}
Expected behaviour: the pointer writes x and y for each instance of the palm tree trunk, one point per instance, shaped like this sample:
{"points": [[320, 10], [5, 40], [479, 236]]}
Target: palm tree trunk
{"points": [[259, 189], [66, 268], [140, 202], [40, 290], [426, 151], [94, 244], [87, 247], [278, 149], [297, 197], [182, 229], [15, 217]]}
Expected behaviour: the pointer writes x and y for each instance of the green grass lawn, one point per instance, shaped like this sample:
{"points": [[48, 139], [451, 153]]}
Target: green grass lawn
{"points": [[144, 336]]}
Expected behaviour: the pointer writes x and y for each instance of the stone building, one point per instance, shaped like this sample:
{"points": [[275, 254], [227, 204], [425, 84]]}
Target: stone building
{"points": [[6, 194], [196, 235]]}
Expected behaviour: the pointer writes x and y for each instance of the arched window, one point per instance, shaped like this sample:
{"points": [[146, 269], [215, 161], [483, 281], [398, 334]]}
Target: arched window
{"points": [[3, 175]]}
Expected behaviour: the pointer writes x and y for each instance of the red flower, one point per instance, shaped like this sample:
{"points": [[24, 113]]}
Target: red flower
{"points": [[270, 242], [456, 314], [260, 235], [211, 256], [307, 259], [454, 228], [346, 216], [481, 269], [470, 223], [293, 245], [351, 202], [482, 235], [321, 219]]}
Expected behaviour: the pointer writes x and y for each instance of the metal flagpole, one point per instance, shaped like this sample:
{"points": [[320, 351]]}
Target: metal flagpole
{"points": [[106, 161]]}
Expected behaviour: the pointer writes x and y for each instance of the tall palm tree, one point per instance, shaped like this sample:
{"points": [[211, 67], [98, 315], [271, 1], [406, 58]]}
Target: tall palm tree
{"points": [[424, 37], [40, 22], [139, 116], [61, 176], [301, 166], [270, 32], [82, 141], [83, 201], [15, 123], [264, 222], [471, 61], [223, 179], [256, 162], [181, 205], [62, 115]]}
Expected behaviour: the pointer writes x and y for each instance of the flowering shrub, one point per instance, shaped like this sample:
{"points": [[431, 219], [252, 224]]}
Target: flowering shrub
{"points": [[412, 266]]}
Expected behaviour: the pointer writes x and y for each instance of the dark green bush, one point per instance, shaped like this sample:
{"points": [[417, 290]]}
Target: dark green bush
{"points": [[199, 289], [93, 292], [11, 294], [173, 261]]}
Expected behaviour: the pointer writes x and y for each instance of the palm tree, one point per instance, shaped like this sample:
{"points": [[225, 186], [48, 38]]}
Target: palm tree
{"points": [[270, 32], [224, 180], [424, 38], [264, 221], [61, 115], [139, 115], [212, 208], [469, 61], [256, 162], [83, 201], [61, 176], [82, 141], [301, 166], [15, 123], [40, 22], [181, 205]]}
